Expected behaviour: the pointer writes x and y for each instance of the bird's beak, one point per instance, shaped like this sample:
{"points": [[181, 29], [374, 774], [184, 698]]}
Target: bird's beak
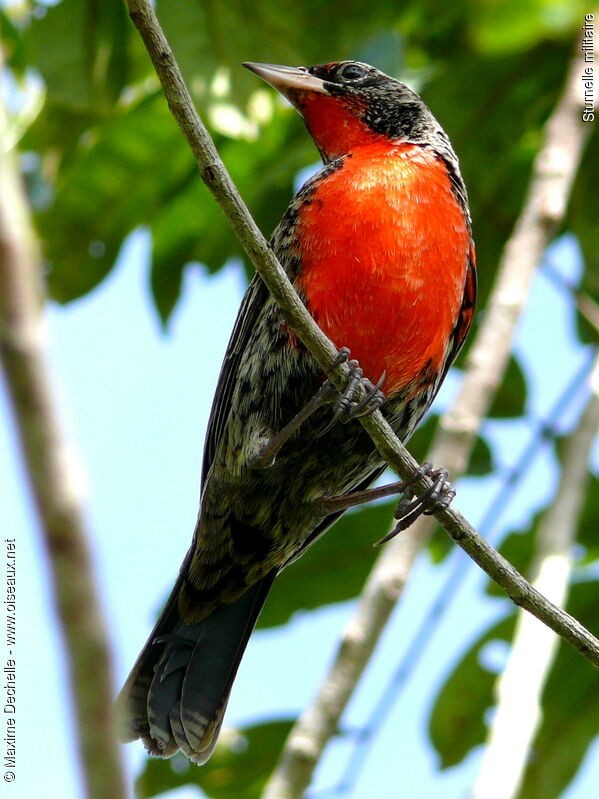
{"points": [[287, 79]]}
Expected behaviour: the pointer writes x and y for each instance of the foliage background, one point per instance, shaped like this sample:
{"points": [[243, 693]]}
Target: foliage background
{"points": [[112, 183]]}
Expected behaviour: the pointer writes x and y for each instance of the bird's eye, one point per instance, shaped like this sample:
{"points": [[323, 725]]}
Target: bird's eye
{"points": [[352, 72]]}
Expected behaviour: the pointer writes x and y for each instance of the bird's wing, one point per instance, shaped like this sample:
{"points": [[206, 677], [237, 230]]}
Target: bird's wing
{"points": [[464, 319], [253, 302]]}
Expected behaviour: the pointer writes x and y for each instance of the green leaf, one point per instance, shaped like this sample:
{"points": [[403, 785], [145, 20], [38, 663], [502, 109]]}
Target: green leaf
{"points": [[334, 569], [570, 717], [80, 48], [481, 459], [117, 179], [456, 724], [510, 399], [518, 24], [12, 43], [239, 767], [589, 521], [583, 212]]}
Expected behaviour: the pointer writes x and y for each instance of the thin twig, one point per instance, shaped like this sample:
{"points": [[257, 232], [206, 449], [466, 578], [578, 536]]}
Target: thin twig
{"points": [[216, 178], [54, 480]]}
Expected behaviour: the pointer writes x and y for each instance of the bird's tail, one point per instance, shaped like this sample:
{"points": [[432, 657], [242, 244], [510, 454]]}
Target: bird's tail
{"points": [[177, 692]]}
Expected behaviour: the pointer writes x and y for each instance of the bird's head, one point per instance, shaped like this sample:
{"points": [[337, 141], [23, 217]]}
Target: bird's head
{"points": [[347, 103]]}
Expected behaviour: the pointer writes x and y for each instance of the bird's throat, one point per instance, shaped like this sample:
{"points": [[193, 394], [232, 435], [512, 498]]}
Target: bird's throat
{"points": [[335, 128]]}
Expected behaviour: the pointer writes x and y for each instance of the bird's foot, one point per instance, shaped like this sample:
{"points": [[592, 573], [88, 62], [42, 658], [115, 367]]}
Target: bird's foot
{"points": [[345, 407], [437, 497]]}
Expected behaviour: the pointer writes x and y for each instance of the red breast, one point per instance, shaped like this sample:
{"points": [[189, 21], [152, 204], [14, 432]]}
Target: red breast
{"points": [[384, 245]]}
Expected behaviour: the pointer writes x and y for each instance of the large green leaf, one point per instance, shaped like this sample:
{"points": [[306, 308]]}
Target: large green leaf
{"points": [[570, 710], [12, 43], [457, 721], [239, 767], [80, 47], [443, 30], [589, 522], [518, 546], [117, 180], [570, 719], [120, 178], [519, 24], [582, 220], [510, 399]]}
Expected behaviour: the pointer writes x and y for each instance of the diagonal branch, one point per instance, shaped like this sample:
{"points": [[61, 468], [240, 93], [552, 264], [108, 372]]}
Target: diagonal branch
{"points": [[218, 181], [54, 479]]}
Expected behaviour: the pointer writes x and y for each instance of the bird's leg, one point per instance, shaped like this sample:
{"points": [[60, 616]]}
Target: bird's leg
{"points": [[345, 407], [438, 497], [325, 394]]}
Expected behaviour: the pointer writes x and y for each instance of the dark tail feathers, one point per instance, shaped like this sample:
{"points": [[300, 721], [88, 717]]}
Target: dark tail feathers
{"points": [[177, 692]]}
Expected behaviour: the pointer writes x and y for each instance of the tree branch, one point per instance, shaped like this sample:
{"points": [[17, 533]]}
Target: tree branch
{"points": [[54, 479], [216, 178]]}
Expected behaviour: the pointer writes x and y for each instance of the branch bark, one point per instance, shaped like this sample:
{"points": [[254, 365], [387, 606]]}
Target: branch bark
{"points": [[302, 752], [520, 687], [54, 479]]}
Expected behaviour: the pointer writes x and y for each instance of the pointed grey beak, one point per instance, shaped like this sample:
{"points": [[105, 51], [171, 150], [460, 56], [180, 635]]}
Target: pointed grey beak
{"points": [[284, 79]]}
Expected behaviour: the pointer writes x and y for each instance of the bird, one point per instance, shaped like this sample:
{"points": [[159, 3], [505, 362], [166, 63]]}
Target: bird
{"points": [[378, 244]]}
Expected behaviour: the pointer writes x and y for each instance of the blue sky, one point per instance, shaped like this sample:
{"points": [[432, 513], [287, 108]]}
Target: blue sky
{"points": [[136, 403]]}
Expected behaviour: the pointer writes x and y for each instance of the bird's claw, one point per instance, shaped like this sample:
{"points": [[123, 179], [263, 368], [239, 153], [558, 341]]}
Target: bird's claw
{"points": [[345, 407], [372, 400], [438, 497]]}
